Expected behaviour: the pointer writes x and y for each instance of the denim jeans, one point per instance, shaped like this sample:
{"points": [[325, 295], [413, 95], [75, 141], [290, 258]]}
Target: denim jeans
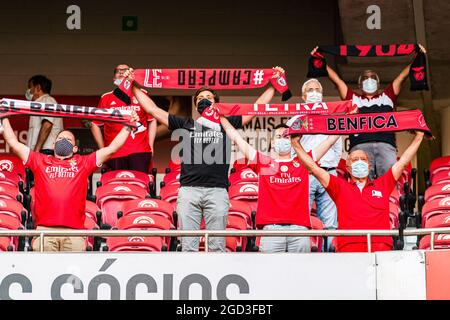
{"points": [[284, 244], [325, 207]]}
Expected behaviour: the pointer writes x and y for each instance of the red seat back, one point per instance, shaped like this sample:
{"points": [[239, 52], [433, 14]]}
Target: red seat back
{"points": [[435, 207], [148, 206], [137, 178], [245, 192], [11, 163], [244, 176], [437, 191], [117, 244]]}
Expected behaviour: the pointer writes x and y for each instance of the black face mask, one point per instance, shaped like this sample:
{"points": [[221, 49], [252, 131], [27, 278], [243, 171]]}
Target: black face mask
{"points": [[202, 105]]}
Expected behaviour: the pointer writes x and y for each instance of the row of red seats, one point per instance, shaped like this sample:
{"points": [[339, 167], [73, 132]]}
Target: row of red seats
{"points": [[436, 208]]}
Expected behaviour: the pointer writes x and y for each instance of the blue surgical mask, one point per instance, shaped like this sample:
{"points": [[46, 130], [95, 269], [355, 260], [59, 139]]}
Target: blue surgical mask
{"points": [[370, 85], [282, 146], [360, 169], [28, 95], [313, 97]]}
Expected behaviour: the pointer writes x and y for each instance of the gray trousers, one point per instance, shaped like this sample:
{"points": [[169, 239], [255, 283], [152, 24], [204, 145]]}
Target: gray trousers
{"points": [[193, 203], [382, 156], [284, 244]]}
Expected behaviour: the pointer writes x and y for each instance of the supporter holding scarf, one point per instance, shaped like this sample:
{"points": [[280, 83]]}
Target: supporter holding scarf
{"points": [[380, 146]]}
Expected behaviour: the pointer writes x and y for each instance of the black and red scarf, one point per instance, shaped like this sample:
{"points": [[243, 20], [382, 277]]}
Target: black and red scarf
{"points": [[417, 74]]}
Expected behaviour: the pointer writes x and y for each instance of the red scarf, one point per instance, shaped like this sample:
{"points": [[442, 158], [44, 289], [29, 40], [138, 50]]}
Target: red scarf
{"points": [[283, 109], [188, 79], [10, 107], [361, 123], [417, 74]]}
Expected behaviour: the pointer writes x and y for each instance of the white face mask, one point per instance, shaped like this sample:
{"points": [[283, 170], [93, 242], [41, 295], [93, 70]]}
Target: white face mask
{"points": [[28, 95], [313, 97], [282, 146], [370, 85], [117, 82]]}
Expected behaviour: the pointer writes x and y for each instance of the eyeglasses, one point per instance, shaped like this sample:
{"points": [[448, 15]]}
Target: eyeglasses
{"points": [[122, 70]]}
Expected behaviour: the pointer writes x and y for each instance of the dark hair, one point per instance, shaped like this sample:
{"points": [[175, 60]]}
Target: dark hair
{"points": [[115, 68], [44, 82], [197, 93], [281, 125]]}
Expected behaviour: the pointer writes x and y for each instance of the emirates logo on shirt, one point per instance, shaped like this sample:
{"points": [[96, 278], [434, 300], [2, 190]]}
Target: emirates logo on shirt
{"points": [[59, 171]]}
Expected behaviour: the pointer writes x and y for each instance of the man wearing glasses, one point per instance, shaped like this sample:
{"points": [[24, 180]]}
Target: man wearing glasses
{"points": [[136, 154]]}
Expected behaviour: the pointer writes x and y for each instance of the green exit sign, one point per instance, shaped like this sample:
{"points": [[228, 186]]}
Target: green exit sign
{"points": [[129, 23]]}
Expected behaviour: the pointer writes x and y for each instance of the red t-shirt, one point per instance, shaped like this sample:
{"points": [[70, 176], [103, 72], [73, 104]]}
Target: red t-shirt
{"points": [[368, 209], [140, 143], [283, 196], [60, 189]]}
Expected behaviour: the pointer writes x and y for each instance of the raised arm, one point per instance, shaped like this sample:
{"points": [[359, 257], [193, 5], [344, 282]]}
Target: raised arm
{"points": [[326, 145], [320, 174], [407, 156], [150, 107], [397, 83], [152, 133], [18, 148], [340, 84], [105, 153], [146, 102], [97, 134], [266, 96], [44, 132], [248, 151]]}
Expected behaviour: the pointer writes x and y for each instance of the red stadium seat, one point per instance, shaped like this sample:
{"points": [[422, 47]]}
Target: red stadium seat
{"points": [[145, 222], [137, 178], [437, 191], [174, 165], [13, 164], [245, 192], [5, 244], [110, 198], [152, 244], [9, 192], [441, 177], [441, 241], [8, 222], [9, 178], [91, 210], [438, 165], [149, 206], [13, 208], [393, 215], [438, 221], [394, 197], [240, 164], [241, 209], [243, 176], [237, 223], [170, 194], [171, 178], [316, 242], [435, 207]]}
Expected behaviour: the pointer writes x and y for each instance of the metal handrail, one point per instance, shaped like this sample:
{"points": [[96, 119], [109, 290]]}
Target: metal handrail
{"points": [[221, 233]]}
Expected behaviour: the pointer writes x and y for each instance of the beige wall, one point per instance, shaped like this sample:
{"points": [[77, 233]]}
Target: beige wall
{"points": [[170, 34]]}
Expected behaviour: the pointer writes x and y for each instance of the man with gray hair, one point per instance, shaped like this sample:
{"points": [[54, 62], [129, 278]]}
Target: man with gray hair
{"points": [[312, 92]]}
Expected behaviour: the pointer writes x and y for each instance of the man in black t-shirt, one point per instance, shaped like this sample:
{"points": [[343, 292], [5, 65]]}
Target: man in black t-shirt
{"points": [[205, 153]]}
